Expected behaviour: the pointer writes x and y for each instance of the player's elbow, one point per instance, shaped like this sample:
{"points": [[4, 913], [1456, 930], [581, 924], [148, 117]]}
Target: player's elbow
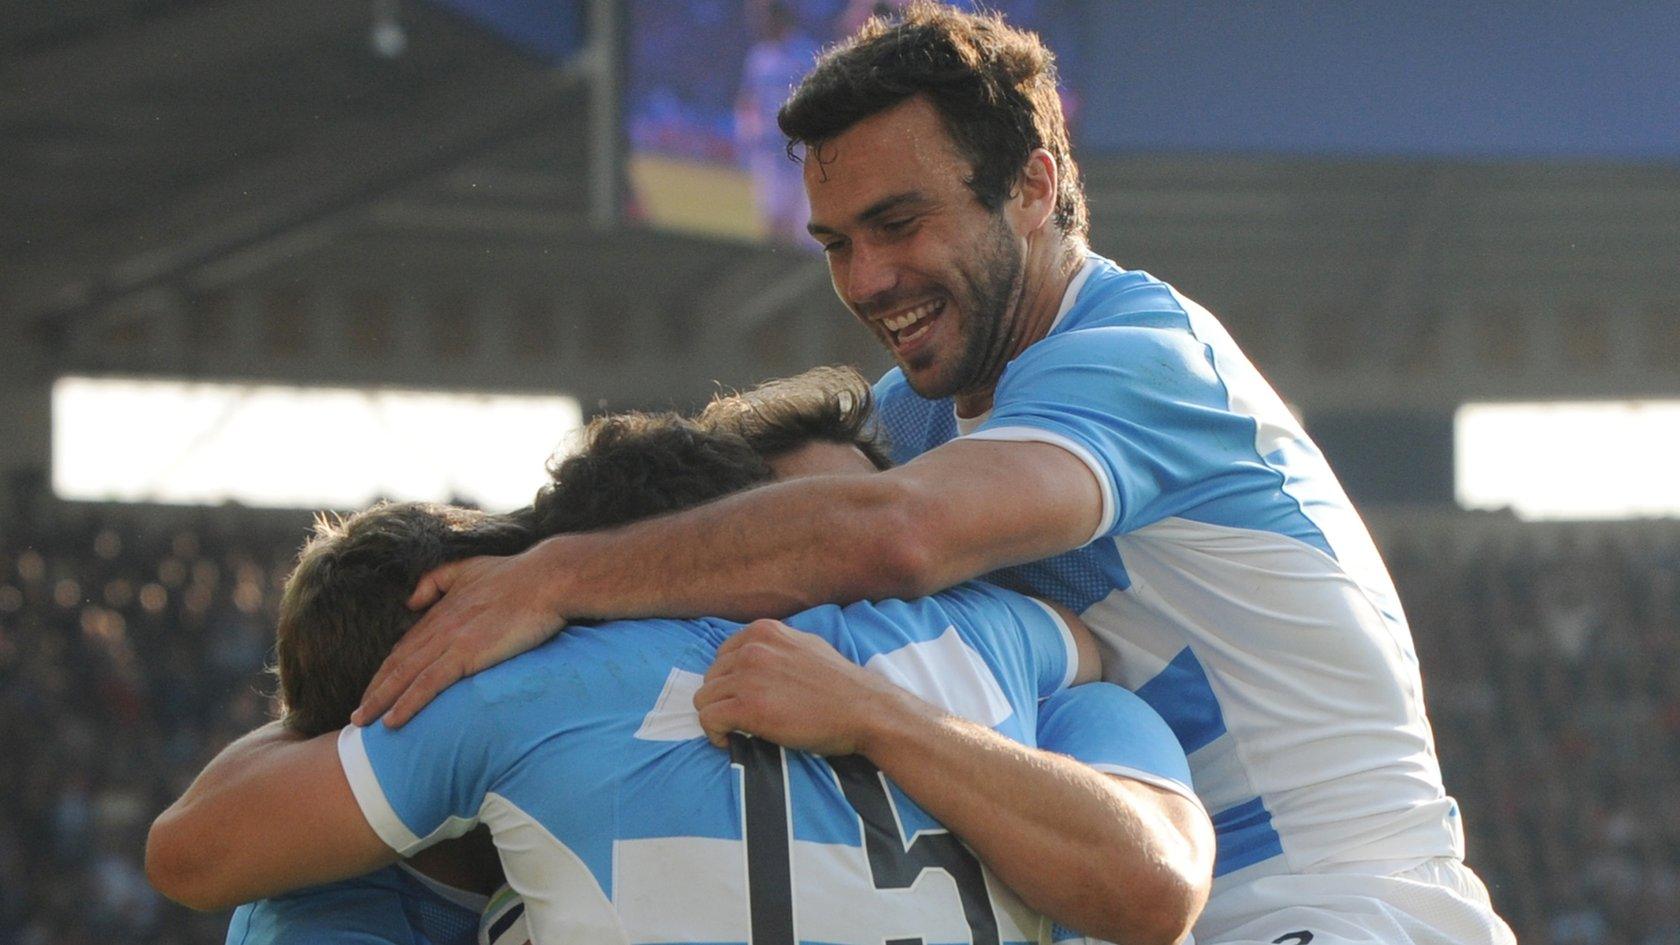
{"points": [[182, 868], [1153, 910], [1165, 911], [1157, 900], [904, 534], [910, 566]]}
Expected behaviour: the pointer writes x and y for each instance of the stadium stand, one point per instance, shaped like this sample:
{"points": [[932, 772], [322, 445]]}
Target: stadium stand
{"points": [[1549, 657], [247, 191], [132, 646]]}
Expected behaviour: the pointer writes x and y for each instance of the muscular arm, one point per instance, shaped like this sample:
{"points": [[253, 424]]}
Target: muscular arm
{"points": [[961, 510], [1111, 856], [954, 513], [1115, 858], [272, 812]]}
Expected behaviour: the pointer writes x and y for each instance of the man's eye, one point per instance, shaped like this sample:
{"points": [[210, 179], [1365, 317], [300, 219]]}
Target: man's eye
{"points": [[834, 247], [899, 225]]}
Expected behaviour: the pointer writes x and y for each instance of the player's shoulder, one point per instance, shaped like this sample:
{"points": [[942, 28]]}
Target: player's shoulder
{"points": [[893, 390], [911, 423], [1114, 730], [961, 649], [1111, 296], [863, 629], [1123, 324], [866, 623], [1112, 359], [592, 661], [1100, 700]]}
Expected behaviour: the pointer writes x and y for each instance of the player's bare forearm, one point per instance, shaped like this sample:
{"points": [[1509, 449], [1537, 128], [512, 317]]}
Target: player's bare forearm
{"points": [[778, 549], [769, 552], [1111, 857], [958, 512], [272, 812]]}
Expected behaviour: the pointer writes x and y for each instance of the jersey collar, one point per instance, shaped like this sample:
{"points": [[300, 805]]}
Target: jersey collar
{"points": [[1092, 261]]}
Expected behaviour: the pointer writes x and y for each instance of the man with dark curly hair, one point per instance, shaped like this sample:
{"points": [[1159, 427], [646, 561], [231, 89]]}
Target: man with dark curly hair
{"points": [[1076, 429]]}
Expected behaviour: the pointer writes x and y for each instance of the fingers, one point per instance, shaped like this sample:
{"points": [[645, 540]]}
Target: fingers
{"points": [[439, 675], [433, 585], [715, 702], [396, 677], [717, 719], [412, 653]]}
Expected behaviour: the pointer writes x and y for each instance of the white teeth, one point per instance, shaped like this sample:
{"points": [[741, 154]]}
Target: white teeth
{"points": [[911, 317]]}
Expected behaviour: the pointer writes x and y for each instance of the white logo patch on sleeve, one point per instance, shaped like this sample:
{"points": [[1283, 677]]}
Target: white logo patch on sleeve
{"points": [[674, 718], [948, 673]]}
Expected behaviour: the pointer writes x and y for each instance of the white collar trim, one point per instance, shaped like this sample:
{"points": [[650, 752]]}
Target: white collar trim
{"points": [[1072, 294]]}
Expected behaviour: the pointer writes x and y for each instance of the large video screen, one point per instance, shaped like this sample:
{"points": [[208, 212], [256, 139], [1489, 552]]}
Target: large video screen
{"points": [[703, 82], [1430, 79]]}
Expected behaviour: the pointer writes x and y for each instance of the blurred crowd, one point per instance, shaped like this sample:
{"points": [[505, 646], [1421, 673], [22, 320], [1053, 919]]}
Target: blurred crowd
{"points": [[1551, 662], [132, 647], [133, 643]]}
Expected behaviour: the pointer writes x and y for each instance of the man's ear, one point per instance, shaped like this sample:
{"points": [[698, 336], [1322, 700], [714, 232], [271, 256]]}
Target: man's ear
{"points": [[1033, 201]]}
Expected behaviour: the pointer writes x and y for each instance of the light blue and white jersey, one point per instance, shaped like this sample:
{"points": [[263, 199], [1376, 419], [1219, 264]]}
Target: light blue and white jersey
{"points": [[1230, 582], [390, 906], [1115, 732], [1103, 725], [617, 821]]}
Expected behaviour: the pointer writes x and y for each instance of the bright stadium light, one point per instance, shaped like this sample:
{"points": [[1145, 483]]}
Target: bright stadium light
{"points": [[186, 442], [1586, 460]]}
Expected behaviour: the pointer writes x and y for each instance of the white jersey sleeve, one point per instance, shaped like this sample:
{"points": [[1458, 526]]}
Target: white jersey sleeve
{"points": [[426, 781], [1143, 408]]}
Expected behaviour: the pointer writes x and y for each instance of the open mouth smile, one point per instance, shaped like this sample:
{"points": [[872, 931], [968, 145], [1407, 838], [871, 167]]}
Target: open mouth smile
{"points": [[912, 324]]}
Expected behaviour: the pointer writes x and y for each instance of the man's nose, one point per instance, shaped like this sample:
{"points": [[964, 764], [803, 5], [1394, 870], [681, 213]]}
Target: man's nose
{"points": [[871, 275]]}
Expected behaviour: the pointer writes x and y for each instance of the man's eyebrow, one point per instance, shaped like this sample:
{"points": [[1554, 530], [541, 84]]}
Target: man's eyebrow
{"points": [[886, 205], [880, 208]]}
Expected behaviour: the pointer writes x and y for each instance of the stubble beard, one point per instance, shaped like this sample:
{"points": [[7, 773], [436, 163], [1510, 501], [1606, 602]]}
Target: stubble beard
{"points": [[990, 303]]}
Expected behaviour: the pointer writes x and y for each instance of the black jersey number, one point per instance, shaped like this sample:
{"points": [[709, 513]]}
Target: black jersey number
{"points": [[893, 864]]}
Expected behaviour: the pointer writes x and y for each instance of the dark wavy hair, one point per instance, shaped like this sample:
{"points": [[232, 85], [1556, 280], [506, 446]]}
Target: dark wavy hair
{"points": [[344, 605], [829, 404], [633, 466], [994, 87]]}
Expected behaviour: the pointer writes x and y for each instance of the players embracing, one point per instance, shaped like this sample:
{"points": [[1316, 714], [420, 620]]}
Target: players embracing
{"points": [[1072, 429], [933, 775]]}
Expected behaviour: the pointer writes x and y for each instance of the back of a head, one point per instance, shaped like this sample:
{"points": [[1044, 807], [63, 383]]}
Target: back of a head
{"points": [[632, 466], [344, 605], [830, 404], [994, 87]]}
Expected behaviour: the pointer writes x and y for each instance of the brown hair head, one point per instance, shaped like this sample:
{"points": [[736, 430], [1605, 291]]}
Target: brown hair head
{"points": [[637, 465], [994, 87], [832, 404], [343, 607]]}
